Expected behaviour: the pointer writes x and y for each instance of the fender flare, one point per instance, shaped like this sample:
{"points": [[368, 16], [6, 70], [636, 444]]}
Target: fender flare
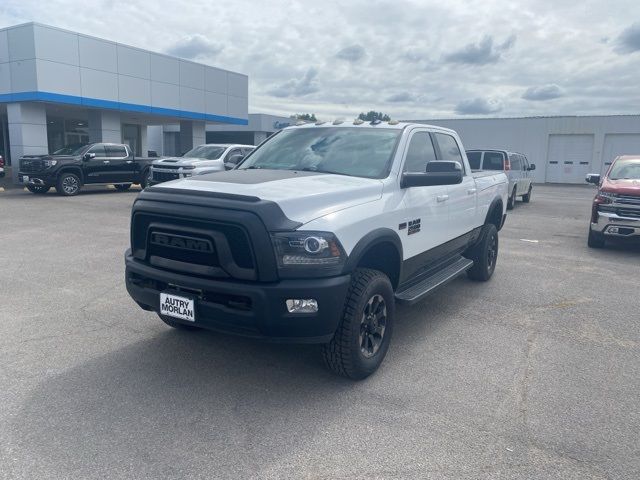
{"points": [[371, 239], [495, 203], [71, 169]]}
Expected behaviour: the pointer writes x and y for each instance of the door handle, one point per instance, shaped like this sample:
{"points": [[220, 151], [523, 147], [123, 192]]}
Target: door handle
{"points": [[471, 191], [105, 161], [129, 161], [442, 198]]}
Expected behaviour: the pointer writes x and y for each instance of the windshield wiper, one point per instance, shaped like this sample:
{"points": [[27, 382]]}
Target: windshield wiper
{"points": [[314, 169]]}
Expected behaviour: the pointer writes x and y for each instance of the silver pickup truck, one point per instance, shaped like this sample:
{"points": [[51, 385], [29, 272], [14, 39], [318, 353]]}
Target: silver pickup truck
{"points": [[202, 159]]}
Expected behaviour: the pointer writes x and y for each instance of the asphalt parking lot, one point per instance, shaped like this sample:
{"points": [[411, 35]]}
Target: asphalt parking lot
{"points": [[535, 374]]}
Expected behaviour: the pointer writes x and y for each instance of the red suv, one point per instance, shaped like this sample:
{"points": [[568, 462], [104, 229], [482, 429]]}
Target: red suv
{"points": [[616, 207]]}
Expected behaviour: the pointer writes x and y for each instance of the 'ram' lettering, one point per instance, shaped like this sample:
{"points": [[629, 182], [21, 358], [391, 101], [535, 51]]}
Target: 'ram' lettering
{"points": [[184, 243]]}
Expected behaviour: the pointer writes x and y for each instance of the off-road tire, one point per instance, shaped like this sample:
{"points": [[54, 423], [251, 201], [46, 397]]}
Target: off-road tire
{"points": [[65, 183], [484, 254], [343, 354], [38, 189], [122, 187], [526, 198], [176, 324], [595, 239], [511, 201]]}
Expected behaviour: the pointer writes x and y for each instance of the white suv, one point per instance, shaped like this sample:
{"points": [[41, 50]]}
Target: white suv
{"points": [[202, 159]]}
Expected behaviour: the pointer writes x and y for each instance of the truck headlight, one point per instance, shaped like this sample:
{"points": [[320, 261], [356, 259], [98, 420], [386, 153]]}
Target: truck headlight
{"points": [[296, 250], [50, 163]]}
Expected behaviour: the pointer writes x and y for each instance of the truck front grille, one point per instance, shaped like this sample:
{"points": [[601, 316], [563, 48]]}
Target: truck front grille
{"points": [[628, 200], [31, 165], [194, 246], [164, 176]]}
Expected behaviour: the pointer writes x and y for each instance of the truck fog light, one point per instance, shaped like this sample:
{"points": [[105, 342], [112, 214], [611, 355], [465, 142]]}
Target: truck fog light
{"points": [[302, 305], [613, 229]]}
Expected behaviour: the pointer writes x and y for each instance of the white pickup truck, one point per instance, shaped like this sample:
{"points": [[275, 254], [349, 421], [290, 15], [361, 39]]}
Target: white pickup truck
{"points": [[316, 235]]}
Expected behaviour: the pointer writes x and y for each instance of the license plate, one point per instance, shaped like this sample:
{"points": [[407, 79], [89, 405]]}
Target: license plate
{"points": [[25, 179], [178, 307]]}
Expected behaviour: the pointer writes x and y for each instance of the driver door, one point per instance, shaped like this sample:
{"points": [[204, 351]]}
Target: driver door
{"points": [[95, 164], [427, 211]]}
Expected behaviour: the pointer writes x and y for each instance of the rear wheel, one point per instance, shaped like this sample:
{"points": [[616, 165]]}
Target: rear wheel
{"points": [[68, 184], [38, 189], [177, 325], [595, 240], [526, 198], [123, 187], [144, 180], [511, 201], [484, 254], [363, 335]]}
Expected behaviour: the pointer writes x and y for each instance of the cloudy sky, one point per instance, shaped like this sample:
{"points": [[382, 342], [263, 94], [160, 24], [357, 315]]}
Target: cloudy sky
{"points": [[420, 59]]}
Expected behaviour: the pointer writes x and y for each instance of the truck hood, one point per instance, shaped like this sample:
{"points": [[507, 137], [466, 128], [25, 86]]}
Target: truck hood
{"points": [[184, 162], [621, 187], [302, 196]]}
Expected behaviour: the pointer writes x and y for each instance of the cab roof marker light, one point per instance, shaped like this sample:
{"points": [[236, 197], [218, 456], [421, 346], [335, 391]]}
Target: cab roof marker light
{"points": [[300, 122], [375, 121], [393, 122], [320, 122], [338, 121], [358, 121]]}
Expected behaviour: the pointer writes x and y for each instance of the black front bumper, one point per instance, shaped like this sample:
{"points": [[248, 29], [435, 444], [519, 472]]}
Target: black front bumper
{"points": [[45, 179], [250, 309]]}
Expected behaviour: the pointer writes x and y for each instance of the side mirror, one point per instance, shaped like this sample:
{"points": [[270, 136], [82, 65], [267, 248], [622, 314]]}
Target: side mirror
{"points": [[235, 159], [532, 166], [89, 156], [593, 178], [438, 172]]}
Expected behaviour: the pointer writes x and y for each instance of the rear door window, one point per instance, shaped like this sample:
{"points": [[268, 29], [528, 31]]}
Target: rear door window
{"points": [[493, 161], [516, 162], [474, 160], [117, 151]]}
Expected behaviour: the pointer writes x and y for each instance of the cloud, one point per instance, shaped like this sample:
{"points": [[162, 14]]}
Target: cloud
{"points": [[298, 87], [195, 47], [482, 53], [629, 40], [353, 53], [543, 92], [477, 106], [401, 97]]}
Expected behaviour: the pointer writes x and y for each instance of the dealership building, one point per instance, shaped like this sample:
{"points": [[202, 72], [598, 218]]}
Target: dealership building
{"points": [[564, 149], [60, 87]]}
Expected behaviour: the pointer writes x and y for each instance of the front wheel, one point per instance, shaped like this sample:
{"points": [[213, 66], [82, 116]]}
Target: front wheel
{"points": [[68, 184], [526, 198], [38, 189], [484, 254], [364, 332]]}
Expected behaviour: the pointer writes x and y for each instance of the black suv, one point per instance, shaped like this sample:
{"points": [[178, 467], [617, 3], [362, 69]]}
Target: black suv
{"points": [[71, 167]]}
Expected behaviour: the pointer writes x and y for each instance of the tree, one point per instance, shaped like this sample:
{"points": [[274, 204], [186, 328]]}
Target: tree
{"points": [[372, 115], [307, 117]]}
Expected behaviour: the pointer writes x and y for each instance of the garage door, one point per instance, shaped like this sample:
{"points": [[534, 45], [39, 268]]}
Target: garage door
{"points": [[569, 158], [619, 144]]}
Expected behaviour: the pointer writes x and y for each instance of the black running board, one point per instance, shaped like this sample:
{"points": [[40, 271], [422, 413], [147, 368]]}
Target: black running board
{"points": [[422, 286]]}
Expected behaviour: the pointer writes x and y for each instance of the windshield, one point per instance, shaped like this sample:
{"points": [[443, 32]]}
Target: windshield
{"points": [[73, 149], [625, 170], [357, 152], [210, 152]]}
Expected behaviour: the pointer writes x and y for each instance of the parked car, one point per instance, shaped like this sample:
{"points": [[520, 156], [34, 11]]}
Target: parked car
{"points": [[515, 165], [615, 212], [73, 166], [316, 235], [1, 166], [208, 158]]}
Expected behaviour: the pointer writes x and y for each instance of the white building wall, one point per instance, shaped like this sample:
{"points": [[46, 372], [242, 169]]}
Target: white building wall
{"points": [[531, 136]]}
